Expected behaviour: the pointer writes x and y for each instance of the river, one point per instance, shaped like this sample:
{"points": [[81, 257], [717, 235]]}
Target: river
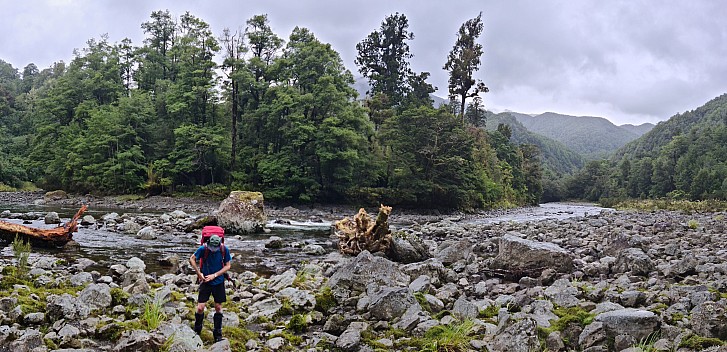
{"points": [[107, 248]]}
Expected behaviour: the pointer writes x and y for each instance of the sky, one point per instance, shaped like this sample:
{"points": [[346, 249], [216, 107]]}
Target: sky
{"points": [[630, 61]]}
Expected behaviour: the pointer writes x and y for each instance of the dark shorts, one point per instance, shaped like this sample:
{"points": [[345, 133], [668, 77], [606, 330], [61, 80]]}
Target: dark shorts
{"points": [[217, 292]]}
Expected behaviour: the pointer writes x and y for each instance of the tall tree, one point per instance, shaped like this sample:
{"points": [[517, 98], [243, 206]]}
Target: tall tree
{"points": [[383, 57], [463, 60]]}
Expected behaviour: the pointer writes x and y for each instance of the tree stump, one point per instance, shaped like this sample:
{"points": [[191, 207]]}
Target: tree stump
{"points": [[361, 233]]}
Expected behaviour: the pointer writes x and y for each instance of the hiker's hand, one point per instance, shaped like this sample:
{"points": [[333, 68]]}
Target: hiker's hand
{"points": [[210, 277], [200, 277]]}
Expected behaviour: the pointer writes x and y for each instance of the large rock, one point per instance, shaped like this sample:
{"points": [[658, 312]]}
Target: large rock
{"points": [[67, 307], [517, 254], [709, 320], [242, 213], [407, 248], [515, 336], [52, 218], [451, 251], [96, 296], [636, 323], [29, 341], [634, 260], [351, 338], [55, 195], [139, 340], [184, 338], [366, 269], [390, 302]]}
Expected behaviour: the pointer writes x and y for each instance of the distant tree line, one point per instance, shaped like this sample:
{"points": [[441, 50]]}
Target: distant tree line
{"points": [[277, 116]]}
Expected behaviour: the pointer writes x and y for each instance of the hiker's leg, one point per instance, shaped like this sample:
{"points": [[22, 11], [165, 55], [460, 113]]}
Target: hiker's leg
{"points": [[218, 292], [202, 298]]}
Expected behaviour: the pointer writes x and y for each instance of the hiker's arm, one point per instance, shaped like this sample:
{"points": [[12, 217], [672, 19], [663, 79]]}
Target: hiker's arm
{"points": [[222, 271], [193, 262]]}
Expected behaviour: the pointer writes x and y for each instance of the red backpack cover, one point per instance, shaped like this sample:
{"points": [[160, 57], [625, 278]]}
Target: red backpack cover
{"points": [[208, 231]]}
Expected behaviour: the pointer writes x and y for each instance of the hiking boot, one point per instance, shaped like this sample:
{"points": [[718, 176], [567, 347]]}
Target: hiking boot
{"points": [[198, 322], [217, 331]]}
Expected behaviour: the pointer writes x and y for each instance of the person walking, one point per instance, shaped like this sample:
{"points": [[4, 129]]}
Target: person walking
{"points": [[214, 261]]}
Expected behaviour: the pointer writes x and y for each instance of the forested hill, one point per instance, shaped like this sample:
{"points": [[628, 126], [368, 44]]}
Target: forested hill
{"points": [[556, 157], [638, 130], [592, 137], [684, 157]]}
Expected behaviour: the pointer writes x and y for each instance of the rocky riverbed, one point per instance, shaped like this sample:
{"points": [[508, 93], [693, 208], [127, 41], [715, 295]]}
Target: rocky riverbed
{"points": [[608, 281]]}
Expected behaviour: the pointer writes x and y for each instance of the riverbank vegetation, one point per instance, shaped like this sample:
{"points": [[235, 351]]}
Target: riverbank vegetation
{"points": [[274, 115]]}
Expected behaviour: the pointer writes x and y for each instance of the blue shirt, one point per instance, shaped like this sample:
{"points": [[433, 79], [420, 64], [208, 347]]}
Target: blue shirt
{"points": [[213, 263]]}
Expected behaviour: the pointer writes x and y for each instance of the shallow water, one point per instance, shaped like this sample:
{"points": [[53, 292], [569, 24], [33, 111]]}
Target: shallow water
{"points": [[107, 248]]}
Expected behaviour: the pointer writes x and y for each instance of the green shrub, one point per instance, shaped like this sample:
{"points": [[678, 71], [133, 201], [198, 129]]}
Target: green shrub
{"points": [[152, 315], [325, 300], [699, 343], [21, 250]]}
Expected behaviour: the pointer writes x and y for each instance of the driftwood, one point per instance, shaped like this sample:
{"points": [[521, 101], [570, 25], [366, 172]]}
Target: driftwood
{"points": [[359, 234], [45, 238]]}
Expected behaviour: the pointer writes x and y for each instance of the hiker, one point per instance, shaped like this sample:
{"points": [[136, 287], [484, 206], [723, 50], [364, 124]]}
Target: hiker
{"points": [[214, 260]]}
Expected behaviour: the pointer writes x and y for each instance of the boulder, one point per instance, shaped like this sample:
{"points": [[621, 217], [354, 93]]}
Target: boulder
{"points": [[52, 218], [518, 254], [139, 340], [351, 338], [147, 233], [67, 307], [28, 341], [81, 279], [636, 323], [709, 320], [407, 248], [88, 220], [356, 273], [634, 260], [563, 293], [184, 338], [96, 296], [390, 302], [55, 195], [451, 251], [242, 213], [515, 336]]}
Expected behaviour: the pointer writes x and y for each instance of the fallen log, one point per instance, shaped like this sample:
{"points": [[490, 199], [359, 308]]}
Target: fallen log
{"points": [[42, 238]]}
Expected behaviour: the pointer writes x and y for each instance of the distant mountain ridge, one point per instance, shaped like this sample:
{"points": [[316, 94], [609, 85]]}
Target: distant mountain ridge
{"points": [[592, 137], [555, 156]]}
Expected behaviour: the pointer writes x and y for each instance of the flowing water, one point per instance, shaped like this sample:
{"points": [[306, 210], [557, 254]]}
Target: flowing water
{"points": [[107, 248]]}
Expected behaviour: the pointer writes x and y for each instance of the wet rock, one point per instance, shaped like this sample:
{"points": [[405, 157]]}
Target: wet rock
{"points": [[313, 249], [274, 242], [178, 214], [88, 220], [242, 213], [147, 233], [110, 218], [407, 248], [129, 227], [518, 254], [52, 218], [366, 269]]}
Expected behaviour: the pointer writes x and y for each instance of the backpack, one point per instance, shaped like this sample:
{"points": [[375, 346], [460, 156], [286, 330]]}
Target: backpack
{"points": [[207, 232]]}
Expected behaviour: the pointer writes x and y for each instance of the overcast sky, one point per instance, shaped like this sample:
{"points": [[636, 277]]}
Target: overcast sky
{"points": [[629, 61]]}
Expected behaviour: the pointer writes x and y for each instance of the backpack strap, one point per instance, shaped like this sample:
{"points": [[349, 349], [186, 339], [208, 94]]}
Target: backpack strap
{"points": [[204, 256]]}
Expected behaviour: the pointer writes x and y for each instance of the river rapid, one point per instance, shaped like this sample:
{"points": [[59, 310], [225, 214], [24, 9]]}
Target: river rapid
{"points": [[295, 227]]}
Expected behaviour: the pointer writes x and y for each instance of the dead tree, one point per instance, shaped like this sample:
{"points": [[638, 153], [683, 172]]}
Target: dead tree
{"points": [[359, 234]]}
